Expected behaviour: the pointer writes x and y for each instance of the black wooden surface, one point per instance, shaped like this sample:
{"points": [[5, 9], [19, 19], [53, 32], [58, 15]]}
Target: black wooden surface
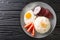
{"points": [[10, 28]]}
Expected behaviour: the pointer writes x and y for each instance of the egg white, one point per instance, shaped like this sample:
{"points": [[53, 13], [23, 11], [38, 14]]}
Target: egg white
{"points": [[39, 28]]}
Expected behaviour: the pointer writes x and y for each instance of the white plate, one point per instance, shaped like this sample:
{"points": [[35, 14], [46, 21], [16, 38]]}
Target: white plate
{"points": [[31, 6]]}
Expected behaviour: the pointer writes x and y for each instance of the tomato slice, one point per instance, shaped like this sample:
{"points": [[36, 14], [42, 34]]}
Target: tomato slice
{"points": [[27, 25], [30, 28]]}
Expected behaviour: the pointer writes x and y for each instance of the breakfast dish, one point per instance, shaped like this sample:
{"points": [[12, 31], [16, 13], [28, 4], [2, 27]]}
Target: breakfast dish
{"points": [[37, 20]]}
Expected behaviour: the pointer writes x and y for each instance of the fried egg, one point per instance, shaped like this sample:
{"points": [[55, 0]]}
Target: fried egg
{"points": [[29, 17], [42, 24]]}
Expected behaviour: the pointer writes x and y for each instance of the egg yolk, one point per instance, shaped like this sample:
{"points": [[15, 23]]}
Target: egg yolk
{"points": [[44, 25], [28, 15]]}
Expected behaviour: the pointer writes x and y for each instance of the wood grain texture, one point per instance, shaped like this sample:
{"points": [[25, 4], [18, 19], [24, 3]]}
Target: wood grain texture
{"points": [[10, 28], [10, 17], [19, 4]]}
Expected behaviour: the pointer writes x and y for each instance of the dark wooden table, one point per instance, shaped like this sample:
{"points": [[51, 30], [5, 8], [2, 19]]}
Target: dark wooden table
{"points": [[10, 28]]}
